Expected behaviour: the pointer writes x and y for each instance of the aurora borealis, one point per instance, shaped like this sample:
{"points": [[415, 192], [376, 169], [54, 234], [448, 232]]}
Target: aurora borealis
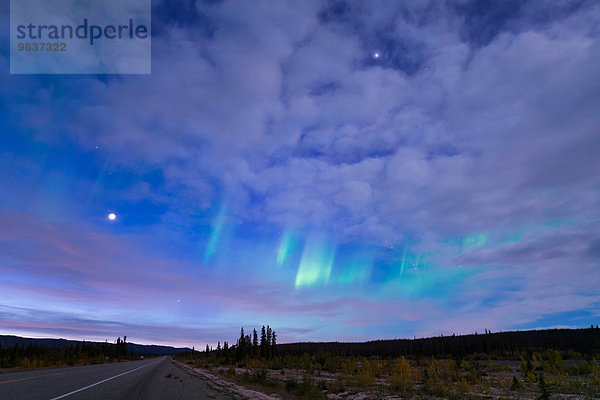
{"points": [[337, 170]]}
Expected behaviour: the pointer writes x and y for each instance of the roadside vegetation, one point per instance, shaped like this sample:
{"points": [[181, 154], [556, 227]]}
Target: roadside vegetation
{"points": [[314, 373], [36, 356]]}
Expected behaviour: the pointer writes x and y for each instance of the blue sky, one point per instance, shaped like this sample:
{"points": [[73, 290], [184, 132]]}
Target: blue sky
{"points": [[338, 170]]}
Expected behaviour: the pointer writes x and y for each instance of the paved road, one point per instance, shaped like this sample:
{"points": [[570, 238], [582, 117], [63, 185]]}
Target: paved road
{"points": [[152, 379]]}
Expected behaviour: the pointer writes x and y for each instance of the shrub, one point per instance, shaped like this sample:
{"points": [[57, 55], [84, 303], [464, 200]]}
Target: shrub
{"points": [[530, 377], [583, 368], [552, 361], [365, 377], [307, 363], [348, 368], [259, 375], [544, 389], [332, 364], [574, 386], [25, 363], [337, 386], [401, 376], [434, 388], [474, 370], [596, 374], [516, 384], [460, 390], [309, 390], [291, 385]]}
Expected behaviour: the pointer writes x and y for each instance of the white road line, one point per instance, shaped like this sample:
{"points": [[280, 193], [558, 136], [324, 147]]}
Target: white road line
{"points": [[102, 381]]}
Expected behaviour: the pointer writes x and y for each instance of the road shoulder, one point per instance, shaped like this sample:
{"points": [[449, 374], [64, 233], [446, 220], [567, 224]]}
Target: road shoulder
{"points": [[227, 387]]}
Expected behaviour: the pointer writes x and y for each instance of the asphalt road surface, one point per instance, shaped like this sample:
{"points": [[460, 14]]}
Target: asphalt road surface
{"points": [[152, 379]]}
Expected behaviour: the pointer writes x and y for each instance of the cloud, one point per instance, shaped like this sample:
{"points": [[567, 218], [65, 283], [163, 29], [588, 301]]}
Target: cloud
{"points": [[489, 148]]}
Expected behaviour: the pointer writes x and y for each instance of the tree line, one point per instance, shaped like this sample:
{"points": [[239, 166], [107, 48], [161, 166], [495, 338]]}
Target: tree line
{"points": [[576, 342], [248, 346], [35, 355]]}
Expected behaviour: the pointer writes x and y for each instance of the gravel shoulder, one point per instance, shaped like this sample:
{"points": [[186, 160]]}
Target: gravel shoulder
{"points": [[226, 387]]}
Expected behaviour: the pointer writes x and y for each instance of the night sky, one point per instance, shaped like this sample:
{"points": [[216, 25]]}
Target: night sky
{"points": [[338, 170]]}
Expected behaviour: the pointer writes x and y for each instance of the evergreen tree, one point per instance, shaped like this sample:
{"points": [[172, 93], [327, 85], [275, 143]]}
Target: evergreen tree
{"points": [[254, 343], [273, 343], [242, 336], [268, 341], [241, 346], [241, 340], [263, 342]]}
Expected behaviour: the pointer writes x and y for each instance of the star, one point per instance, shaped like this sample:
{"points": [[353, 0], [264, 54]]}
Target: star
{"points": [[112, 216], [376, 55]]}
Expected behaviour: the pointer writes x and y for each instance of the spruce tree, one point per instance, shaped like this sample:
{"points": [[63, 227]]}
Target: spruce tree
{"points": [[269, 333], [254, 343], [241, 347], [263, 342], [273, 344]]}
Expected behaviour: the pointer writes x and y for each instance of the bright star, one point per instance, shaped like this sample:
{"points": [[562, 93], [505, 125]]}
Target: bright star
{"points": [[112, 216], [376, 55]]}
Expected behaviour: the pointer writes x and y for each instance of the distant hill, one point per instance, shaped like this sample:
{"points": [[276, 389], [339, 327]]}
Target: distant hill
{"points": [[581, 342], [9, 341], [577, 342]]}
